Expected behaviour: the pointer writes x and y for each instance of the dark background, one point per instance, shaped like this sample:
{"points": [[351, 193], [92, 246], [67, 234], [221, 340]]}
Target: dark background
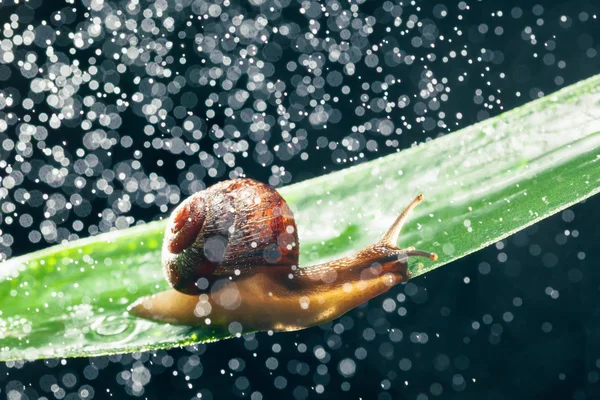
{"points": [[517, 320]]}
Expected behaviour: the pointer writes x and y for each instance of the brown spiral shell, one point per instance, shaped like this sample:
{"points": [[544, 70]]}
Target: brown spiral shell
{"points": [[226, 230]]}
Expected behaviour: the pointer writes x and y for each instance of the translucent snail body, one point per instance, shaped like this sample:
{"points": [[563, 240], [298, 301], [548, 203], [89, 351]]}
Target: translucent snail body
{"points": [[231, 254]]}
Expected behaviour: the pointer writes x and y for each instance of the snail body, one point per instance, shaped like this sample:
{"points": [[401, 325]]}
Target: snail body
{"points": [[231, 254]]}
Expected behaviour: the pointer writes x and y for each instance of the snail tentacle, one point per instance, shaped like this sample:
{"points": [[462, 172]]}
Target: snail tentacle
{"points": [[390, 238]]}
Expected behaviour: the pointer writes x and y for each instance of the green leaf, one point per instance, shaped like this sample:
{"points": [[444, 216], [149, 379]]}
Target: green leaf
{"points": [[481, 184]]}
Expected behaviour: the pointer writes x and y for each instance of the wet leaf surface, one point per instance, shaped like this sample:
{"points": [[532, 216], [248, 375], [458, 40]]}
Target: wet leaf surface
{"points": [[481, 184]]}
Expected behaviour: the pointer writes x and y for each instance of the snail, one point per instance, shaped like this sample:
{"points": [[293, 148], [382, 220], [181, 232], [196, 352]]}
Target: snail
{"points": [[231, 254]]}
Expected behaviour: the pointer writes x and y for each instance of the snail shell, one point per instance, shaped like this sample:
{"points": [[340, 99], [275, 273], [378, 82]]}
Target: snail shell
{"points": [[225, 230]]}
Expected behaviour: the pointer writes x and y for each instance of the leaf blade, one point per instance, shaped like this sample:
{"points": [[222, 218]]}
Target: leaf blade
{"points": [[495, 177]]}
